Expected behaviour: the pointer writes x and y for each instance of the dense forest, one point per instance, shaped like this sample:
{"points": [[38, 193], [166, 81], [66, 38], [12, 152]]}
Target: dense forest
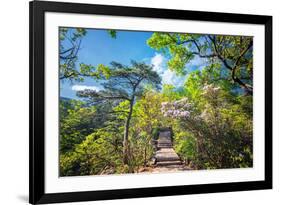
{"points": [[110, 130]]}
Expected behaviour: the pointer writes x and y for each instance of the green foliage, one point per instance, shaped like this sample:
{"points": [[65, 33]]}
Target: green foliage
{"points": [[103, 70], [170, 92], [172, 43], [75, 123], [185, 146], [221, 129], [112, 33], [98, 153], [211, 115], [70, 44], [231, 55], [155, 133]]}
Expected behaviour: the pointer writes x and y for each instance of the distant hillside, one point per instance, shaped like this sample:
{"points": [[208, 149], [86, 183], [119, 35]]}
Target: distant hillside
{"points": [[65, 99], [69, 101]]}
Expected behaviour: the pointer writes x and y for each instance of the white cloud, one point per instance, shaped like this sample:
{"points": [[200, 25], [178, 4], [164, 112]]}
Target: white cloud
{"points": [[158, 62], [170, 77], [84, 87]]}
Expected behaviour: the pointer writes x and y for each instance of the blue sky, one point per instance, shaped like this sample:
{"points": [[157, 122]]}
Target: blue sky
{"points": [[99, 48]]}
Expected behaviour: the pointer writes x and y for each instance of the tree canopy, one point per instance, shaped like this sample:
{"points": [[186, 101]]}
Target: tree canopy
{"points": [[124, 84], [69, 47], [113, 129], [232, 53]]}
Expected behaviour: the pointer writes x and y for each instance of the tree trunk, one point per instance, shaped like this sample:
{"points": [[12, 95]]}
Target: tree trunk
{"points": [[126, 134], [144, 163]]}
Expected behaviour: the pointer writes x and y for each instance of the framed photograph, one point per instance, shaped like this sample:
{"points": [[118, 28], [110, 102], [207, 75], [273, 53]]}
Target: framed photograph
{"points": [[140, 102]]}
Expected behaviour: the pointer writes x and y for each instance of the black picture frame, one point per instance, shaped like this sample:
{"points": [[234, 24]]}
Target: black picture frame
{"points": [[37, 193]]}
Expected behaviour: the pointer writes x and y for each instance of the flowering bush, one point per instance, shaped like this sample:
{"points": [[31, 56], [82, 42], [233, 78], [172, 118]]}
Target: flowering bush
{"points": [[183, 108], [222, 132], [211, 90], [177, 109]]}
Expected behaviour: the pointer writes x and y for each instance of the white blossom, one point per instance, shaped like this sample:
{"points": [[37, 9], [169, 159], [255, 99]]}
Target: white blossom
{"points": [[177, 109], [210, 90]]}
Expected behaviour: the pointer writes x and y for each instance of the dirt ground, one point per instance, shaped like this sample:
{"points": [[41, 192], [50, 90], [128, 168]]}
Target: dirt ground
{"points": [[171, 168]]}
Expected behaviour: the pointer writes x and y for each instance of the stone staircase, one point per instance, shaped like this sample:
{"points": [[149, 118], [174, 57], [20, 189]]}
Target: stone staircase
{"points": [[165, 154]]}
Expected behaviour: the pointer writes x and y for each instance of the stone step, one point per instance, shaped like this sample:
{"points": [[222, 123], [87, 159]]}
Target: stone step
{"points": [[164, 141], [166, 151], [166, 154], [168, 163], [167, 158], [164, 145]]}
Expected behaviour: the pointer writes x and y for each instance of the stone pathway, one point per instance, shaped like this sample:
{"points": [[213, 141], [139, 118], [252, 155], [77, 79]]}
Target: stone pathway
{"points": [[166, 159], [165, 154], [164, 169]]}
